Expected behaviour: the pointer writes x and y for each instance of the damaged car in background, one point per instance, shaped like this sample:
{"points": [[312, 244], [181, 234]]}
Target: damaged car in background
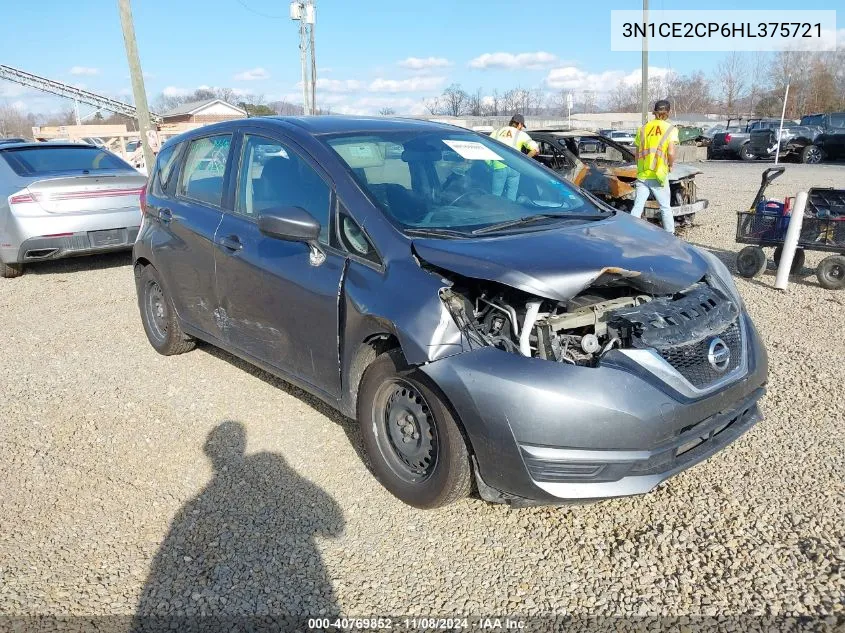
{"points": [[502, 332], [608, 170]]}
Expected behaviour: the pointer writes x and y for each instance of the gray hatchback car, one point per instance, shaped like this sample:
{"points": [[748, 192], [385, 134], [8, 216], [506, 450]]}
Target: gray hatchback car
{"points": [[490, 326]]}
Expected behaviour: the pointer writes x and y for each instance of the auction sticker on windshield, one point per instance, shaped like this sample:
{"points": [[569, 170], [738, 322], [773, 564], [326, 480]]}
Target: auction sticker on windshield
{"points": [[472, 150]]}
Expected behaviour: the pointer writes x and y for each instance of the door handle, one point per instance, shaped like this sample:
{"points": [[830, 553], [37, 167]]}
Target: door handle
{"points": [[165, 215], [231, 243]]}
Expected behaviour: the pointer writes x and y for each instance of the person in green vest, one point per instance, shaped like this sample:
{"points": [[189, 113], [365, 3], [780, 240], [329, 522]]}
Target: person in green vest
{"points": [[655, 144], [505, 179]]}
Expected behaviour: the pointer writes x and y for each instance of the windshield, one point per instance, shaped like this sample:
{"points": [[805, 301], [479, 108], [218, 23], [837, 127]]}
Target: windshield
{"points": [[456, 182], [34, 161]]}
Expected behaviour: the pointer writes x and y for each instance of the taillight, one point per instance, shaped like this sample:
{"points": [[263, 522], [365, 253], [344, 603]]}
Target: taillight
{"points": [[142, 199], [727, 138], [23, 198]]}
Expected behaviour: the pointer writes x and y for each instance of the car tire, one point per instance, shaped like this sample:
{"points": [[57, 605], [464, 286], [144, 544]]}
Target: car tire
{"points": [[10, 271], [831, 272], [797, 260], [745, 153], [159, 316], [416, 450], [751, 261], [811, 155]]}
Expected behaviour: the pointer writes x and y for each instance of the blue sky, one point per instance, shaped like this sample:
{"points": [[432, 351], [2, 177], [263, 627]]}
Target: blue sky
{"points": [[370, 54]]}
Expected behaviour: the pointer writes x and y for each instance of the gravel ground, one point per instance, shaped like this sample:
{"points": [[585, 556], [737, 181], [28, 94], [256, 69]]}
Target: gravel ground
{"points": [[196, 484]]}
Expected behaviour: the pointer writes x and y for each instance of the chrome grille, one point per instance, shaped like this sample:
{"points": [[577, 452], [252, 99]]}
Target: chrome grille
{"points": [[691, 360]]}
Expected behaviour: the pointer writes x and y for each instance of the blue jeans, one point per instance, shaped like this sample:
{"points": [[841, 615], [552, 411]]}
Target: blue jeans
{"points": [[663, 197], [505, 180]]}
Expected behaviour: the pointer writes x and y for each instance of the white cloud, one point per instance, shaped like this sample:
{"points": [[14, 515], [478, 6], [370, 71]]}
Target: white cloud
{"points": [[575, 79], [84, 70], [414, 84], [372, 105], [253, 74], [425, 63], [337, 85], [173, 91], [540, 59]]}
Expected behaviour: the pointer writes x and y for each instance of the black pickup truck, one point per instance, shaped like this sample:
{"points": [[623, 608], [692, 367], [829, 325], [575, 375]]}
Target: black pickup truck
{"points": [[734, 140], [816, 138]]}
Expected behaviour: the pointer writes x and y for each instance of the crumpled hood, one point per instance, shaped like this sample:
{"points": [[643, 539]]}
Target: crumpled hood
{"points": [[558, 263]]}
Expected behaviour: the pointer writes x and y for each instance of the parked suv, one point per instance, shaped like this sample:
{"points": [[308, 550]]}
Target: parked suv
{"points": [[513, 335]]}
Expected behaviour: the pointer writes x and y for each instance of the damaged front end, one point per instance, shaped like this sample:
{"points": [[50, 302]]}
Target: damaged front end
{"points": [[610, 314]]}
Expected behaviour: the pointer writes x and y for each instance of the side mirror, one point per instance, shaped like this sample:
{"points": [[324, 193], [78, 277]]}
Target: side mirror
{"points": [[293, 224]]}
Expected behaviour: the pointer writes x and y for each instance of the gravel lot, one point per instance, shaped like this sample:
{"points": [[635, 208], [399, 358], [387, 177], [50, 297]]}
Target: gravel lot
{"points": [[195, 484]]}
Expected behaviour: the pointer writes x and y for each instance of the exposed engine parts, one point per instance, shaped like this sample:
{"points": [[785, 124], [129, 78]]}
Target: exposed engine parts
{"points": [[581, 330]]}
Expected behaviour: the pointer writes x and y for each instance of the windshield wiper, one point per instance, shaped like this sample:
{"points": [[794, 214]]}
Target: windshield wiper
{"points": [[435, 231], [528, 219]]}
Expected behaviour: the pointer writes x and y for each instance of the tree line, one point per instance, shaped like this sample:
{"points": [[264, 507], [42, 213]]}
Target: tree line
{"points": [[740, 85]]}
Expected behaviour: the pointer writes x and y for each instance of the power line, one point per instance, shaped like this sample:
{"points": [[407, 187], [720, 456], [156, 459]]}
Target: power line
{"points": [[263, 15]]}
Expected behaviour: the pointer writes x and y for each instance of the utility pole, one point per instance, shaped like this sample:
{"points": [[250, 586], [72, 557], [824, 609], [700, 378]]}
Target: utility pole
{"points": [[137, 78], [644, 80], [311, 13], [298, 12]]}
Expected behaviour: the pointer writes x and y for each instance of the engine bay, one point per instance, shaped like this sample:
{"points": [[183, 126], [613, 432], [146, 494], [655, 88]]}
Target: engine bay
{"points": [[581, 330]]}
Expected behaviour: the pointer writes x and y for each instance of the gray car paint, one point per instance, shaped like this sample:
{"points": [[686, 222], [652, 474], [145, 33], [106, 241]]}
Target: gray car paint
{"points": [[501, 399]]}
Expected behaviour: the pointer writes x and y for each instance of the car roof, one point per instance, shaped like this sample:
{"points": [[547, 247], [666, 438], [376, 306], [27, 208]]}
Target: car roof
{"points": [[319, 125], [5, 146]]}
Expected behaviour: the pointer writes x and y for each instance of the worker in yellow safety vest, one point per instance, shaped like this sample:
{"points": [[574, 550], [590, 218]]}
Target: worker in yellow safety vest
{"points": [[655, 143], [505, 179]]}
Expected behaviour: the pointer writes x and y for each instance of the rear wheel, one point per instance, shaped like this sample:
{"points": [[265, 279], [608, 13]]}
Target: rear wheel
{"points": [[797, 261], [745, 153], [811, 155], [11, 270], [159, 317], [415, 447], [751, 261], [831, 272]]}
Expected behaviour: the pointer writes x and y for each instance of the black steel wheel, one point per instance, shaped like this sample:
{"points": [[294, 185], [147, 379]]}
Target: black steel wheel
{"points": [[811, 155], [751, 261], [797, 260], [159, 317], [745, 152], [414, 444], [831, 272]]}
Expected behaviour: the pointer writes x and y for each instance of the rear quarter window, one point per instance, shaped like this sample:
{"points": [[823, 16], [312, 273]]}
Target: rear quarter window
{"points": [[205, 166], [167, 161], [35, 161]]}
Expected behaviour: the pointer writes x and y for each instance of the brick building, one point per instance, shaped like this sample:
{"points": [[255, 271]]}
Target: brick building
{"points": [[206, 111]]}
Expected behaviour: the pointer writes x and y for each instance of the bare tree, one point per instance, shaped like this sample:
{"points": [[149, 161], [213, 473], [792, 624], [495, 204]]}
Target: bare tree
{"points": [[731, 81], [690, 93], [476, 106], [432, 105], [454, 100], [14, 122], [387, 111]]}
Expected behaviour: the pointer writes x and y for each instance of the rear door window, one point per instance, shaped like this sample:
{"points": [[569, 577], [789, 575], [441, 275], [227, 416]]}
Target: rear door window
{"points": [[36, 161], [837, 120], [205, 166]]}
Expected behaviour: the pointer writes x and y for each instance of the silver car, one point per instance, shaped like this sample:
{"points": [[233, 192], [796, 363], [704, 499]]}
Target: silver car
{"points": [[62, 200]]}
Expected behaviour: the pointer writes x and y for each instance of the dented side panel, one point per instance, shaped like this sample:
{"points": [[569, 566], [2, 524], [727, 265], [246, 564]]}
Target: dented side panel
{"points": [[403, 301]]}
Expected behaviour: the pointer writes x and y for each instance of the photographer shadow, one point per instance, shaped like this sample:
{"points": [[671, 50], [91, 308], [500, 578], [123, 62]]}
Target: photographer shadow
{"points": [[243, 551]]}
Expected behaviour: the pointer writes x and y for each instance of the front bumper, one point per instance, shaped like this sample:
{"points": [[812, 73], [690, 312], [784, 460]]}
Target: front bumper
{"points": [[545, 432]]}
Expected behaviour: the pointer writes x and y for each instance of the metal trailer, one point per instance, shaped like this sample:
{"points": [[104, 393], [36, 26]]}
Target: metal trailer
{"points": [[823, 229]]}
